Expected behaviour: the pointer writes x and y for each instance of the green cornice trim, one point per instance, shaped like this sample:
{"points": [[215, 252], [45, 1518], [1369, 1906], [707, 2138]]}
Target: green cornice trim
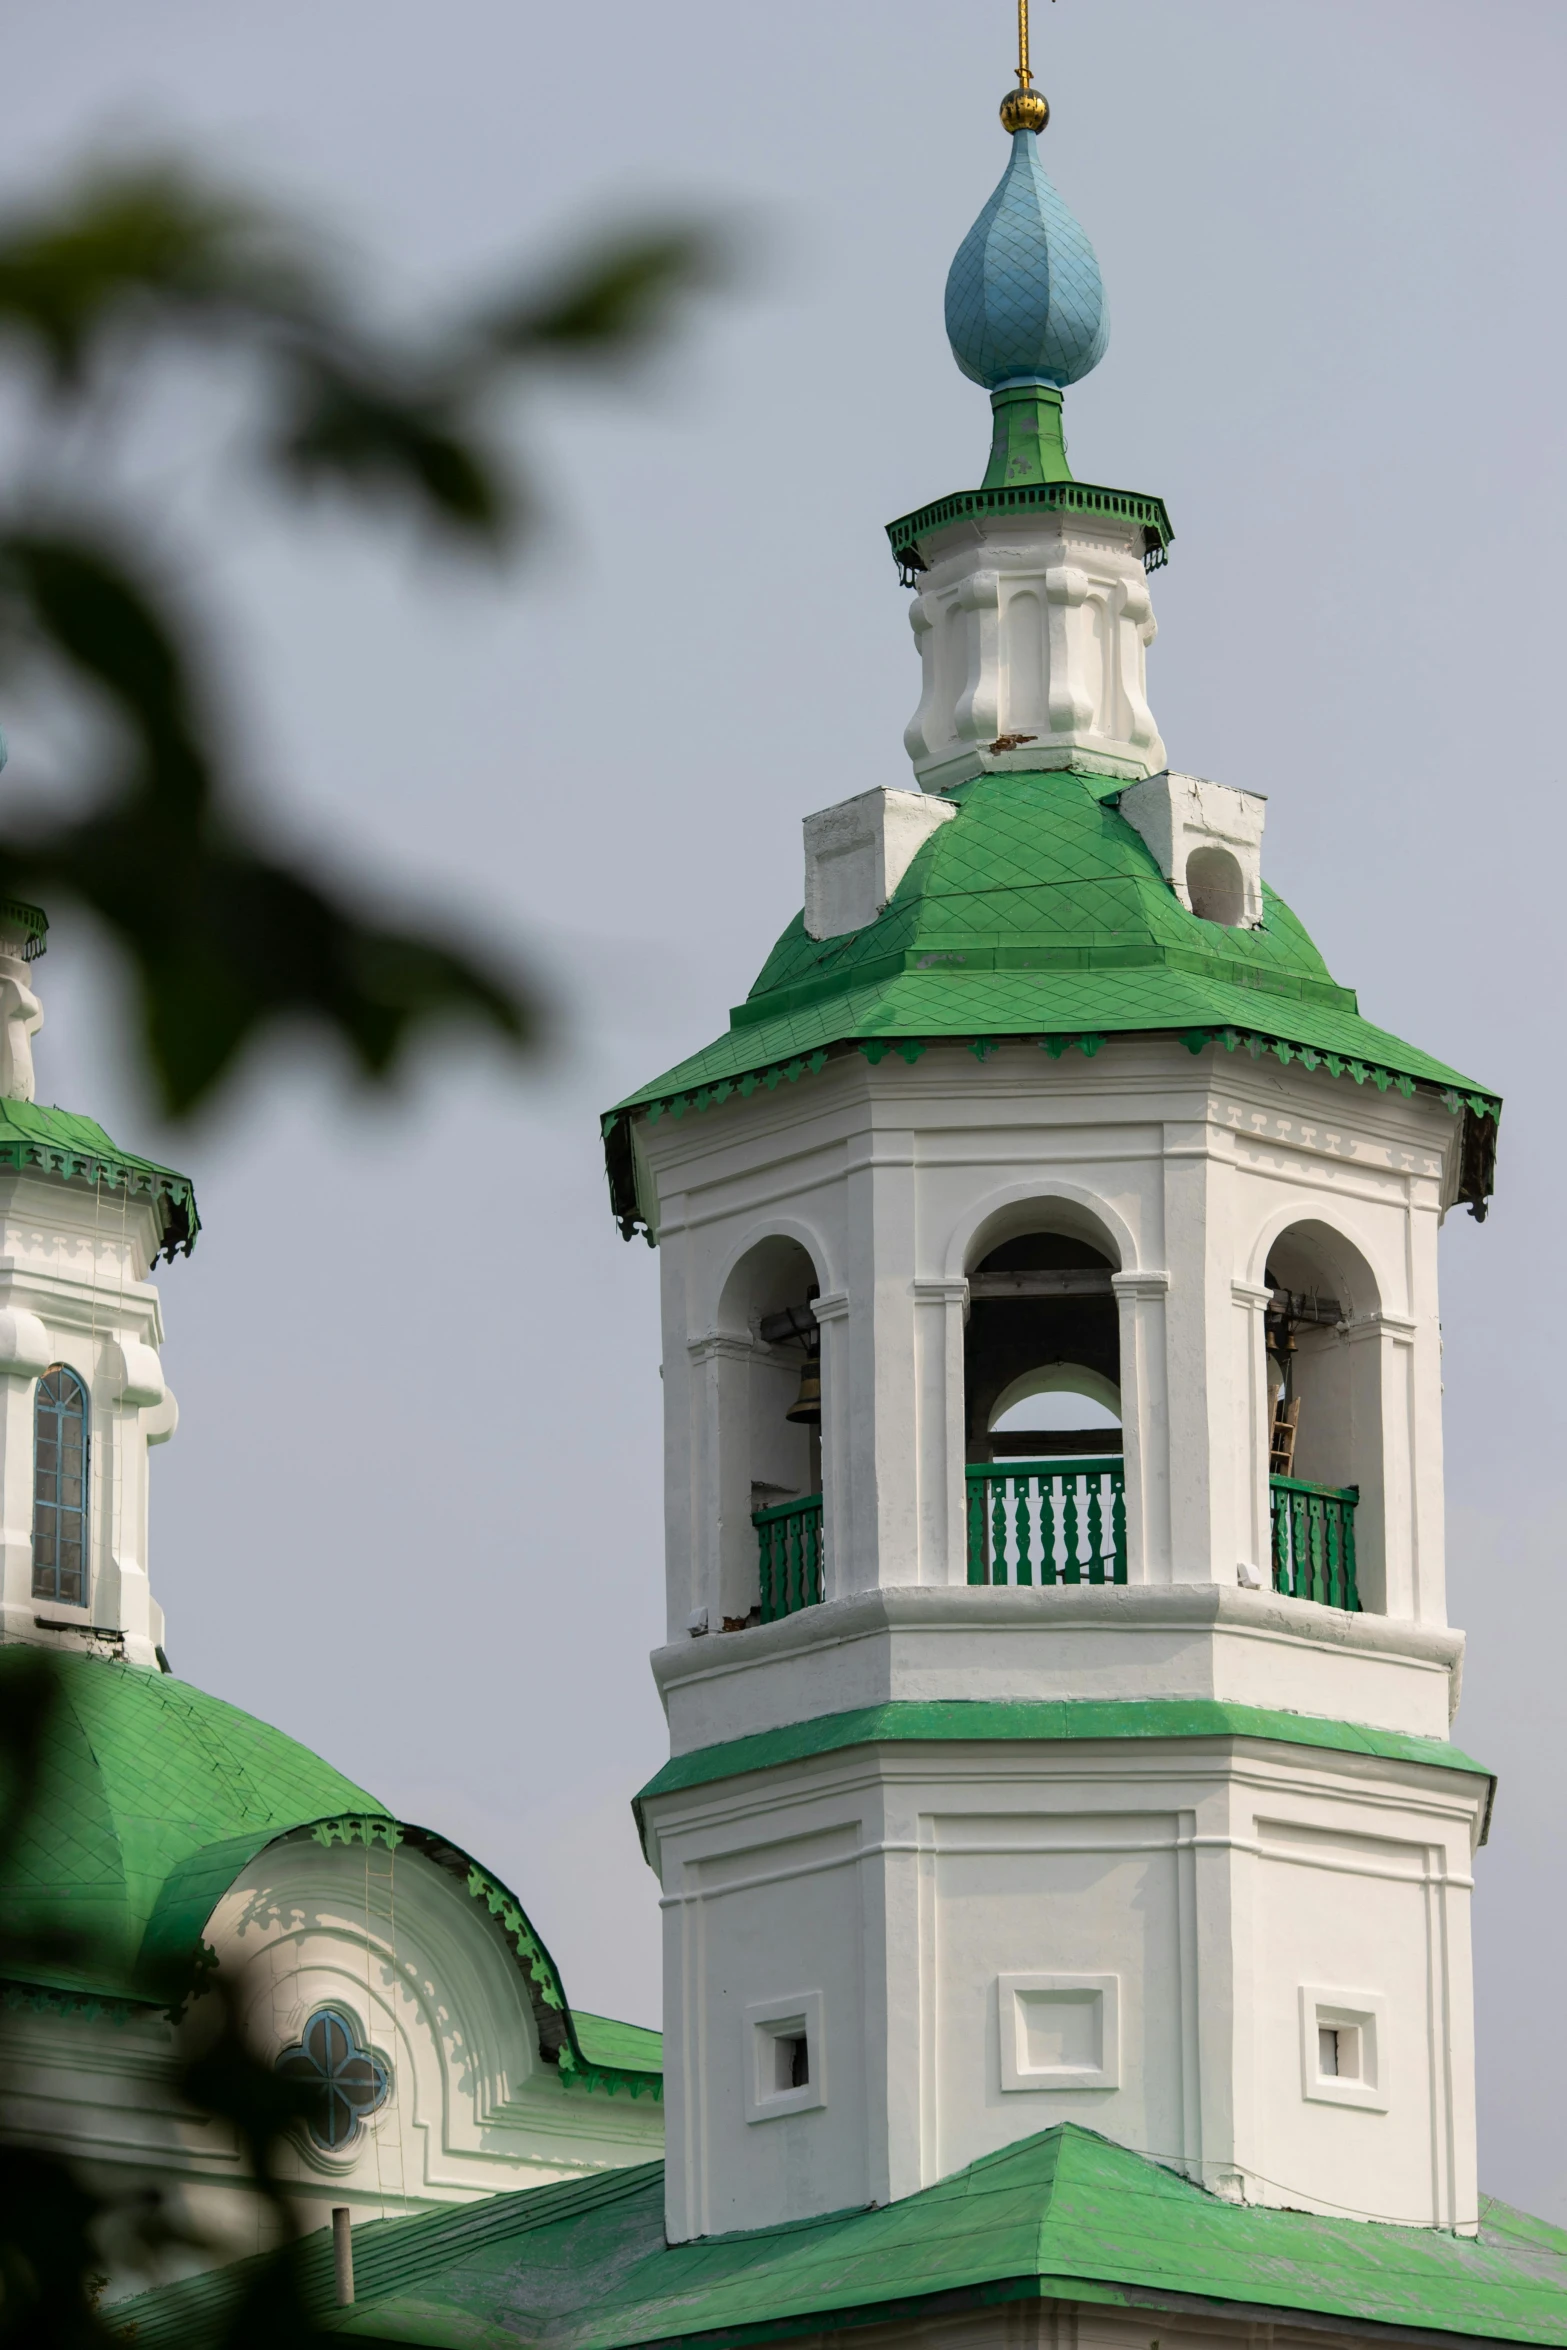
{"points": [[981, 1720], [39, 1140], [31, 921], [1062, 497], [93, 2007]]}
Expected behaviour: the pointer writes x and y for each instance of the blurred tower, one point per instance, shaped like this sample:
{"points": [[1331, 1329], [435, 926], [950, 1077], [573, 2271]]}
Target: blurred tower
{"points": [[82, 1392]]}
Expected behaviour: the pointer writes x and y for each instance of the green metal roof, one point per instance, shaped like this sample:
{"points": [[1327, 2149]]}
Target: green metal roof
{"points": [[1066, 2215], [57, 1142], [153, 1797], [1039, 913]]}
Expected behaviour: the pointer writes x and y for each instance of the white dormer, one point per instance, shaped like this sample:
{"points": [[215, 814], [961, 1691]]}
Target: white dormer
{"points": [[857, 853], [1207, 839]]}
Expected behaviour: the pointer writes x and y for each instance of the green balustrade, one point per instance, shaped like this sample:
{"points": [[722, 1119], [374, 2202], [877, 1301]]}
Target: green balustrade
{"points": [[1314, 1541], [789, 1539], [1047, 1522]]}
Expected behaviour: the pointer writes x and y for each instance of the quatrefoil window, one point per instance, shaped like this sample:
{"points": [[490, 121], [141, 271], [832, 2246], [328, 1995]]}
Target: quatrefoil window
{"points": [[351, 2081]]}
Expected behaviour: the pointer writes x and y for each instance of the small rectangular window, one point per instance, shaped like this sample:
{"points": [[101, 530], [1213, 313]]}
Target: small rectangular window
{"points": [[792, 2061]]}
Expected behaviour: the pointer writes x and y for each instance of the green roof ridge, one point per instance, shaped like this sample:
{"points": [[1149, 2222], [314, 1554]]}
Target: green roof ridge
{"points": [[1063, 2215]]}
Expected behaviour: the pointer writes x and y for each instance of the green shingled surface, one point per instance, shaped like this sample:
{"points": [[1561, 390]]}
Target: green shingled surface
{"points": [[630, 2047], [152, 1798], [1038, 910], [59, 1142], [1064, 2215]]}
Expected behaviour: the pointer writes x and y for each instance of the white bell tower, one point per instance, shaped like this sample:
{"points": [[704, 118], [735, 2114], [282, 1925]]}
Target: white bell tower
{"points": [[1058, 1673], [82, 1392]]}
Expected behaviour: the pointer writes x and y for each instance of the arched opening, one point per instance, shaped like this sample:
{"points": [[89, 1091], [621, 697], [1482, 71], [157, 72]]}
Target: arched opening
{"points": [[1043, 1434], [771, 1437], [1216, 888], [1324, 1416]]}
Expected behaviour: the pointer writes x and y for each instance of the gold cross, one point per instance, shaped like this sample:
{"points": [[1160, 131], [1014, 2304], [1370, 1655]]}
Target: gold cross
{"points": [[1023, 74]]}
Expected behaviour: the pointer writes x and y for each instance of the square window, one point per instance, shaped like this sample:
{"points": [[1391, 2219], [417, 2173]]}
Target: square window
{"points": [[784, 2057], [1343, 2047], [1059, 2031]]}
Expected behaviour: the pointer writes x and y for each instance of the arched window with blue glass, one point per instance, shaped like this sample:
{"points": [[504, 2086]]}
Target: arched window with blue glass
{"points": [[60, 1488]]}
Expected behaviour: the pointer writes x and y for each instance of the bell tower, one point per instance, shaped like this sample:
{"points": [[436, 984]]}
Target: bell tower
{"points": [[83, 1398], [1057, 1669]]}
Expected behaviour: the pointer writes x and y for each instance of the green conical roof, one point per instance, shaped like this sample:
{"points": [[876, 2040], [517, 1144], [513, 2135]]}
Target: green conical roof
{"points": [[1040, 913]]}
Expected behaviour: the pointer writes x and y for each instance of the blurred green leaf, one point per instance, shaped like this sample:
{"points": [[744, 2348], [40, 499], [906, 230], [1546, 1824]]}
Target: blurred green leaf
{"points": [[148, 243], [225, 938], [378, 441], [614, 298]]}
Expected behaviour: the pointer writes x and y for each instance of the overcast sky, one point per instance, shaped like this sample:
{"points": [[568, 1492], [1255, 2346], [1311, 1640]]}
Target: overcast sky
{"points": [[413, 1512]]}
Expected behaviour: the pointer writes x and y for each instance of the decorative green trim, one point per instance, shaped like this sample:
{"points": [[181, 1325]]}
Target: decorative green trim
{"points": [[1069, 497], [94, 2007], [937, 1721], [32, 921], [1479, 1158], [559, 2041], [39, 1140]]}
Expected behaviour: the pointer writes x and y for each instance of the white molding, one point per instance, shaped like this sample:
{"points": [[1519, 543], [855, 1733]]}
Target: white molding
{"points": [[765, 2022], [1148, 1284], [1097, 1998], [1365, 2014]]}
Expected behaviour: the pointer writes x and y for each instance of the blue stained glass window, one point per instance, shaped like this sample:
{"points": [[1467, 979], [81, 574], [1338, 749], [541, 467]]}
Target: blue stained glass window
{"points": [[60, 1488], [351, 2081]]}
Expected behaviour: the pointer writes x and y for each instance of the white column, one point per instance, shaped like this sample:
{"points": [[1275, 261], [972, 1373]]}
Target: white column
{"points": [[1145, 1419], [940, 1310], [1253, 1509], [723, 1567], [832, 1314]]}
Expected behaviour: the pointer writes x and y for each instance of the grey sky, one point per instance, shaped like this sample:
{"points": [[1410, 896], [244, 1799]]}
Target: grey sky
{"points": [[413, 1511]]}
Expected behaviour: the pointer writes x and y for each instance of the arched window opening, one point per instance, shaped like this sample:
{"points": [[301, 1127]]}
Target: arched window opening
{"points": [[1323, 1426], [1044, 1441], [60, 1488], [1042, 1352], [1216, 888], [772, 1439]]}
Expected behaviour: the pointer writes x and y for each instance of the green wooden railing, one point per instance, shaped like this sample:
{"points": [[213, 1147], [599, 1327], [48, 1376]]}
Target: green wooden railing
{"points": [[1314, 1541], [1047, 1522], [789, 1539]]}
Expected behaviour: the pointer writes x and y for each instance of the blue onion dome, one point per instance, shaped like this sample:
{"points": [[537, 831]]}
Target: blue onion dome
{"points": [[1024, 295]]}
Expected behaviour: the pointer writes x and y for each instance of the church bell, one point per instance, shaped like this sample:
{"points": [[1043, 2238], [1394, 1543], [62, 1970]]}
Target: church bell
{"points": [[806, 1409]]}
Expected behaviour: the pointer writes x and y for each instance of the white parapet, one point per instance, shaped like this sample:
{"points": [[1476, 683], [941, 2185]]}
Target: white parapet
{"points": [[857, 853], [1034, 630]]}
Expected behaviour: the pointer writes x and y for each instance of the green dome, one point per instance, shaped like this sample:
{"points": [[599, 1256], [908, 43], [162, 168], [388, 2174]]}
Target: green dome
{"points": [[1039, 913], [152, 1797]]}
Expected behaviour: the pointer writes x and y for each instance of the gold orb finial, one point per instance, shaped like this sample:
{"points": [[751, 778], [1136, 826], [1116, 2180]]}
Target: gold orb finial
{"points": [[1025, 108]]}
